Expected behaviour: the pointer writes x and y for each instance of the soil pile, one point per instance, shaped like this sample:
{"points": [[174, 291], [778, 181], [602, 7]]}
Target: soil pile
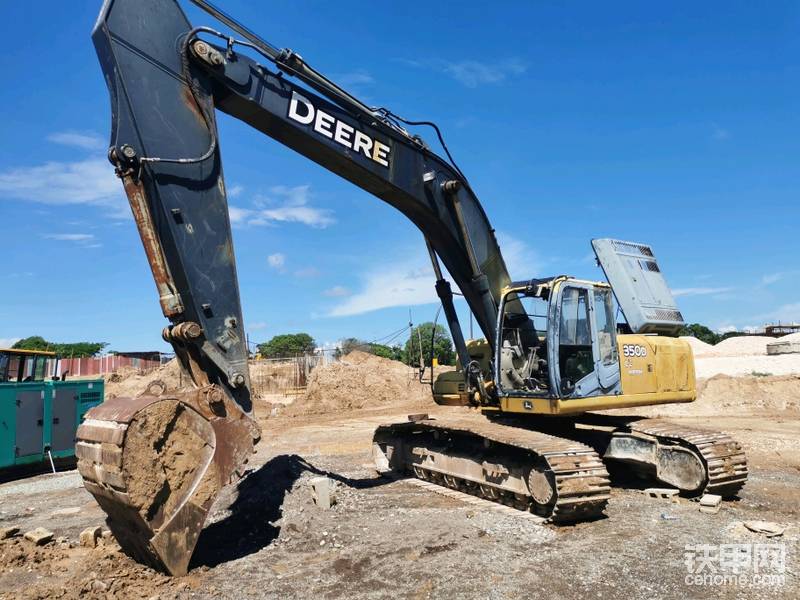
{"points": [[725, 395], [132, 382], [361, 380], [103, 572]]}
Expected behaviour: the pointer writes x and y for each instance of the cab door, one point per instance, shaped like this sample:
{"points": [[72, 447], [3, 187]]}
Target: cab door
{"points": [[582, 342], [604, 338]]}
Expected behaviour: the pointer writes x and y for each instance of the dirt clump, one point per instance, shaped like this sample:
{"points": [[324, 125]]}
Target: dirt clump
{"points": [[67, 572], [361, 380], [163, 451]]}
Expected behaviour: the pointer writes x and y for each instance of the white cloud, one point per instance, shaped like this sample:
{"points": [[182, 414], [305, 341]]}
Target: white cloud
{"points": [[87, 240], [235, 191], [277, 261], [473, 73], [771, 278], [354, 78], [411, 281], [700, 291], [336, 291], [522, 261], [70, 237], [406, 283], [8, 342], [284, 205], [90, 181], [786, 313], [79, 139]]}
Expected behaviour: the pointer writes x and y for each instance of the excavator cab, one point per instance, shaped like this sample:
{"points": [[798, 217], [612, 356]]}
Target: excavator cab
{"points": [[576, 355]]}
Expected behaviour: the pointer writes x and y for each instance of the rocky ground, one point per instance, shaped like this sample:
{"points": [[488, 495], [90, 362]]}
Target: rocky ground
{"points": [[392, 539], [267, 539]]}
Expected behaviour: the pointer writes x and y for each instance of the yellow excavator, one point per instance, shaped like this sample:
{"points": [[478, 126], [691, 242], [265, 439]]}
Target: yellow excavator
{"points": [[552, 352]]}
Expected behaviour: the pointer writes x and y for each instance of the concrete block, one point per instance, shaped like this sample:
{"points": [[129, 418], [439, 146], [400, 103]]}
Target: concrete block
{"points": [[666, 493], [89, 536], [8, 532], [39, 536], [710, 500], [323, 492]]}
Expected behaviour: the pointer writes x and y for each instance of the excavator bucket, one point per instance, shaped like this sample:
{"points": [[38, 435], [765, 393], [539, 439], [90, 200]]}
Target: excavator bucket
{"points": [[156, 463]]}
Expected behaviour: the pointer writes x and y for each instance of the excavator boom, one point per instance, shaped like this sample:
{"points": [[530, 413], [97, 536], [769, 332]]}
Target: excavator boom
{"points": [[166, 78]]}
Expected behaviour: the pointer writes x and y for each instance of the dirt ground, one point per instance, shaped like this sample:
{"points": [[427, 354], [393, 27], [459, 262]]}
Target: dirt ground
{"points": [[392, 539]]}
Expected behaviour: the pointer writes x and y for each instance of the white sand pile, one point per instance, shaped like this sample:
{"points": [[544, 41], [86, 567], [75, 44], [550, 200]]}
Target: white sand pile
{"points": [[734, 366], [792, 337], [699, 347], [788, 344], [745, 345]]}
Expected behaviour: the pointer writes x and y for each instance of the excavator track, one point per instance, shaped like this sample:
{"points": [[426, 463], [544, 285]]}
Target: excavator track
{"points": [[558, 479], [155, 464], [694, 460], [722, 456]]}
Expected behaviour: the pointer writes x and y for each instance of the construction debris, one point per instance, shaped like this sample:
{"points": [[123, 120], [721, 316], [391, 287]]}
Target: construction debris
{"points": [[322, 491], [8, 532], [765, 527], [710, 503], [666, 493], [39, 536]]}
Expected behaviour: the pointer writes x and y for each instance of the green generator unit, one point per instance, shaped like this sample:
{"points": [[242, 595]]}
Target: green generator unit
{"points": [[39, 410]]}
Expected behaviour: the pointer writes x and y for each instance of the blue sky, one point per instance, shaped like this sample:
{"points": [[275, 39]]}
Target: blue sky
{"points": [[675, 125]]}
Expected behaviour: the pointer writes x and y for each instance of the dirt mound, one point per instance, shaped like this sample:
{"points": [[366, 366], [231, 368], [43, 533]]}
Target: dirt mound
{"points": [[361, 380], [723, 394], [132, 382]]}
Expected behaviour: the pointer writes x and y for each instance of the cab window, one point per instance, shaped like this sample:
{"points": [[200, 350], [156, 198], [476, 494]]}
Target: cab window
{"points": [[575, 337]]}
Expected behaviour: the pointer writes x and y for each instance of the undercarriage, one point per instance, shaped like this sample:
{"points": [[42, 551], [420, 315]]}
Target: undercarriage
{"points": [[557, 468]]}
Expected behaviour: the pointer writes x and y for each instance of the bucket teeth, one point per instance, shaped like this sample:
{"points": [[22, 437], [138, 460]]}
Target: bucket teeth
{"points": [[155, 464]]}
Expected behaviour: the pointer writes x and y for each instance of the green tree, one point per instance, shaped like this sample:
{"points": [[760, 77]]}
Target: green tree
{"points": [[286, 345], [701, 332], [74, 349], [391, 352], [347, 345], [442, 346]]}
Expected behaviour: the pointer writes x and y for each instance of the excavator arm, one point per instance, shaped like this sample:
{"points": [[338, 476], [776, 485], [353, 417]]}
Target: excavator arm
{"points": [[155, 463]]}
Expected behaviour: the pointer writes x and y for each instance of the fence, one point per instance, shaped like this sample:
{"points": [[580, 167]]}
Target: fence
{"points": [[82, 367], [284, 376]]}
